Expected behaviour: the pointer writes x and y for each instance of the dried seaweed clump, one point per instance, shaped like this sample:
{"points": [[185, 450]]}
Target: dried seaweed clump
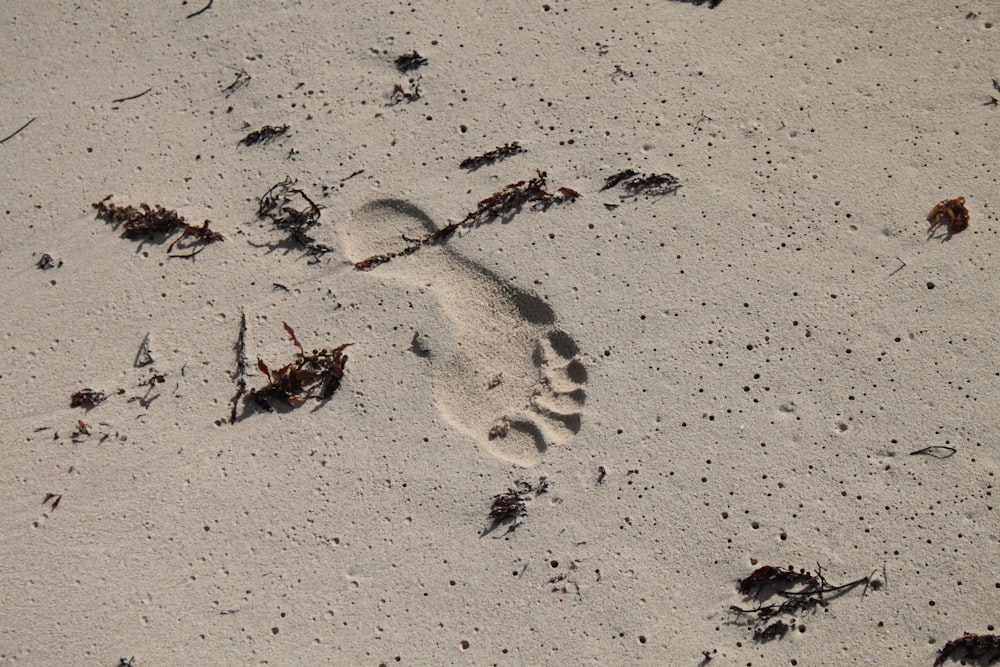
{"points": [[636, 184], [264, 135], [146, 222], [410, 61], [311, 375], [87, 398], [796, 590], [489, 157], [712, 4], [401, 94], [983, 648], [508, 508], [280, 205], [503, 203], [950, 212]]}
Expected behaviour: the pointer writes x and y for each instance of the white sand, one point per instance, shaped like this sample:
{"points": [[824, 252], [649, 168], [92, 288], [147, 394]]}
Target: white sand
{"points": [[750, 360]]}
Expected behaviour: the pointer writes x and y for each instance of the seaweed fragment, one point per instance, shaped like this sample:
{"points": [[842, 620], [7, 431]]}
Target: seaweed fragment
{"points": [[240, 376], [951, 213], [264, 135], [317, 374], [635, 184], [712, 4], [501, 204], [242, 79], [508, 508], [797, 590], [400, 94], [296, 221], [984, 648], [489, 157], [45, 262], [146, 222], [410, 61], [774, 631], [87, 398], [615, 179]]}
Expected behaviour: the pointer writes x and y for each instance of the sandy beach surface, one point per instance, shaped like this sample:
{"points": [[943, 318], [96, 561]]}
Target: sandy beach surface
{"points": [[681, 342]]}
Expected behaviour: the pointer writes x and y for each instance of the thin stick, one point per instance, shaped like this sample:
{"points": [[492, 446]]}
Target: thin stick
{"points": [[241, 366], [935, 451], [17, 131], [131, 97], [202, 10]]}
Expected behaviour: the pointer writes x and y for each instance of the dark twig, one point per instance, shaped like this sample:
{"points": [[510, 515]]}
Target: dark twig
{"points": [[17, 131], [206, 8], [190, 255], [52, 500], [240, 376], [937, 451], [131, 97], [143, 357], [242, 79], [902, 265]]}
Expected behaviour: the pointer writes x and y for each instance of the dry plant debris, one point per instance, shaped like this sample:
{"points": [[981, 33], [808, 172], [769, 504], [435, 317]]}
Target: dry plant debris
{"points": [[950, 212], [295, 220], [146, 222], [636, 184], [712, 4], [87, 398], [240, 376], [400, 94], [984, 648], [45, 262], [52, 500], [264, 135], [508, 508], [242, 79], [489, 157], [797, 590], [410, 61], [503, 203], [311, 375]]}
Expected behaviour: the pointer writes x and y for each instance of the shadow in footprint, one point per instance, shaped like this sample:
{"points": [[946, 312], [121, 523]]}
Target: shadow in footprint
{"points": [[515, 383]]}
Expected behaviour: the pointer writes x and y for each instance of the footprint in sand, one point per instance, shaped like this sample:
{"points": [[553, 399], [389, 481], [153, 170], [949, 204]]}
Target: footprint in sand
{"points": [[515, 381]]}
